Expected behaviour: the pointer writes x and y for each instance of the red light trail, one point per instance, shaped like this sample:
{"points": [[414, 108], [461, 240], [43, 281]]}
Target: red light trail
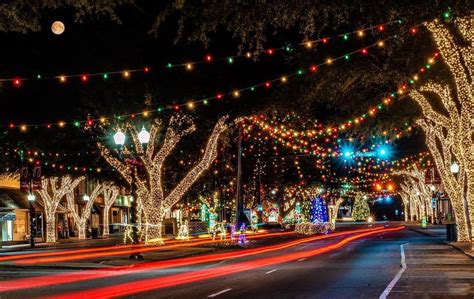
{"points": [[135, 287], [34, 282], [71, 255]]}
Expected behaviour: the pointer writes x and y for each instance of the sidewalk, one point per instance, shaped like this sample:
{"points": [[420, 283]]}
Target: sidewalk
{"points": [[439, 231]]}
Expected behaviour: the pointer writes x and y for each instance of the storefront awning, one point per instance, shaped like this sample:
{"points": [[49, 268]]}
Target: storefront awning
{"points": [[5, 216]]}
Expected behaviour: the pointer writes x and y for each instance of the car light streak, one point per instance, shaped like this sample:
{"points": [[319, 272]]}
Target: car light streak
{"points": [[145, 285], [63, 278], [51, 257]]}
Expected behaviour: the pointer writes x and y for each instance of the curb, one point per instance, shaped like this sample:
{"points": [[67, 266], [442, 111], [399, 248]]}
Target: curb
{"points": [[459, 249]]}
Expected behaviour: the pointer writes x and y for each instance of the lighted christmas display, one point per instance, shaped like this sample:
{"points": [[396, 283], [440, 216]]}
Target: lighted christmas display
{"points": [[150, 193], [318, 210], [360, 209]]}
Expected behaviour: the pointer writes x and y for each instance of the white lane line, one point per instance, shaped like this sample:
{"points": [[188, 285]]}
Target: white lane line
{"points": [[271, 271], [218, 293], [300, 260], [394, 281]]}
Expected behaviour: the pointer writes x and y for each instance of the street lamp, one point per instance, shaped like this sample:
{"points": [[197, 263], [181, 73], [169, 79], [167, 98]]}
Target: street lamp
{"points": [[119, 139], [31, 197], [143, 136], [454, 167]]}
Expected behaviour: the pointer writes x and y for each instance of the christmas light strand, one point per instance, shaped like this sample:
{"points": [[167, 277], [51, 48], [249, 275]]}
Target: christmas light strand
{"points": [[236, 93], [208, 58]]}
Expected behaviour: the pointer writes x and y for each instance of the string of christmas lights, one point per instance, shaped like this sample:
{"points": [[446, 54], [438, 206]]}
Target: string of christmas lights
{"points": [[208, 58], [236, 93]]}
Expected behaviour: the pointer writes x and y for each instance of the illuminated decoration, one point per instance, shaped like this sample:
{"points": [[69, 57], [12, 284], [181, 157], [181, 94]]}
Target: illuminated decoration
{"points": [[183, 231], [242, 236], [80, 219], [149, 188], [50, 197], [449, 134], [333, 212], [318, 210], [58, 27], [415, 189], [309, 228], [360, 210], [386, 101], [110, 193], [10, 180], [232, 232]]}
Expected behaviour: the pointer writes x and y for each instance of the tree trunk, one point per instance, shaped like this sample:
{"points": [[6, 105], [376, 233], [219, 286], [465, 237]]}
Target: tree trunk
{"points": [[51, 230], [153, 226], [461, 223], [106, 222], [82, 231], [405, 211], [153, 233]]}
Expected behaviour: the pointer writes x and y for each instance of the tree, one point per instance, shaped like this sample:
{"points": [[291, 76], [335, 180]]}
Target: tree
{"points": [[448, 124], [414, 187], [150, 190], [318, 210], [334, 210], [360, 210], [50, 197], [110, 192], [80, 219]]}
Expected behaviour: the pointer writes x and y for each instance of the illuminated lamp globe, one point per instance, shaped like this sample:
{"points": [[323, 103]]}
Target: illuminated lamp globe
{"points": [[86, 197], [454, 167], [58, 27], [119, 138], [144, 136], [31, 197]]}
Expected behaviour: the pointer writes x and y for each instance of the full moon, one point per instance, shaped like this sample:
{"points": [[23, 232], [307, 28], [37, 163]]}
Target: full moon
{"points": [[58, 27]]}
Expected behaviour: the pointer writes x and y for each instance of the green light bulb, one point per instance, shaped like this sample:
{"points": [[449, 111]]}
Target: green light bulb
{"points": [[105, 76]]}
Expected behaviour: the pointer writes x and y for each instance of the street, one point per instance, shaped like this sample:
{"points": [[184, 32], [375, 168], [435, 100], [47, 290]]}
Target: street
{"points": [[360, 268]]}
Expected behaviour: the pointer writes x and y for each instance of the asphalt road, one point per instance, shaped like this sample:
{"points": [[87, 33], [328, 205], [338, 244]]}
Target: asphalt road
{"points": [[362, 268]]}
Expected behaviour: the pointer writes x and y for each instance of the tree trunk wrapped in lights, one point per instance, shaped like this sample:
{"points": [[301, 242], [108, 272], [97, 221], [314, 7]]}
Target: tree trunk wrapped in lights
{"points": [[149, 187], [449, 135], [406, 201], [360, 210], [80, 220], [333, 212], [50, 197], [414, 185], [110, 195]]}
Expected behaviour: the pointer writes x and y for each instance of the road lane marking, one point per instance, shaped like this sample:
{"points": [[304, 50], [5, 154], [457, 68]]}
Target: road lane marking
{"points": [[394, 281], [218, 293], [271, 271], [300, 260]]}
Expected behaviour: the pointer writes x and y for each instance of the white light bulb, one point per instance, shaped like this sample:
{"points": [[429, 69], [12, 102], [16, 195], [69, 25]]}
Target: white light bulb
{"points": [[144, 136], [119, 138]]}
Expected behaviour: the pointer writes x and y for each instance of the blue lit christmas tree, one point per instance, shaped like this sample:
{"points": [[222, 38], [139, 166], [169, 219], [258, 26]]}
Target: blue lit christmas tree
{"points": [[318, 212]]}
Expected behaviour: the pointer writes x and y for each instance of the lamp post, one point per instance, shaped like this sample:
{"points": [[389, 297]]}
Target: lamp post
{"points": [[31, 198], [119, 139], [454, 167]]}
